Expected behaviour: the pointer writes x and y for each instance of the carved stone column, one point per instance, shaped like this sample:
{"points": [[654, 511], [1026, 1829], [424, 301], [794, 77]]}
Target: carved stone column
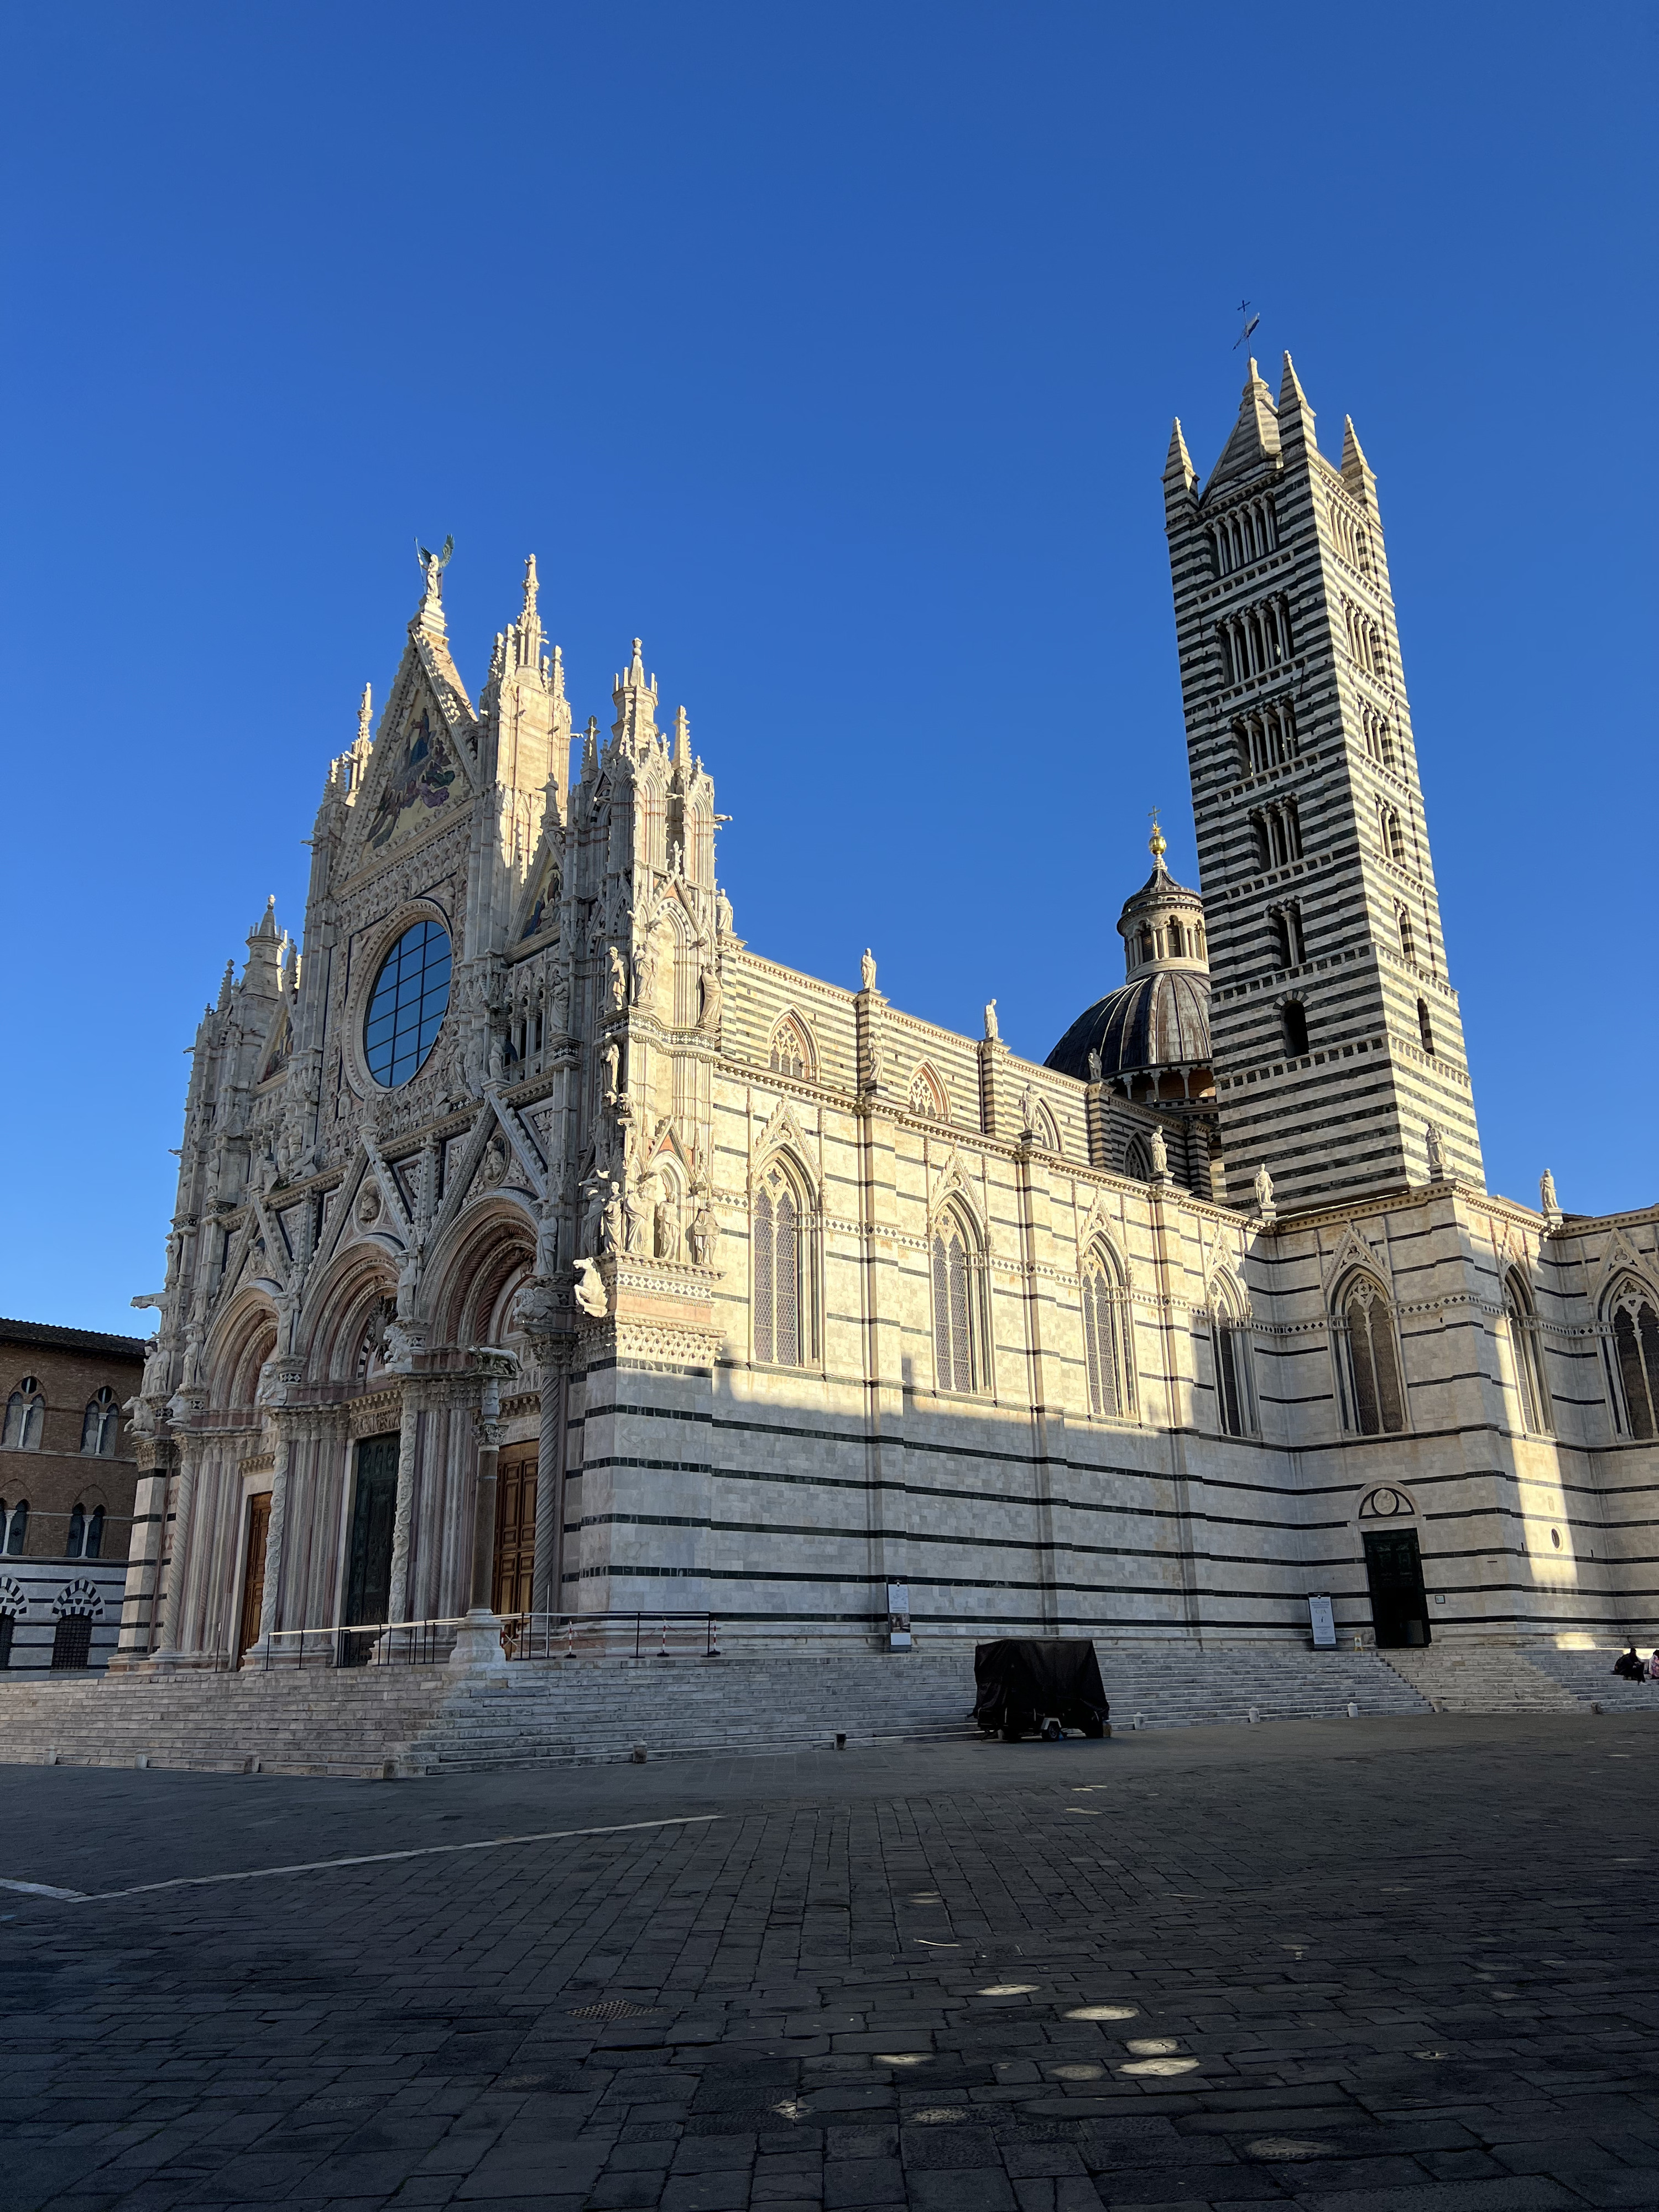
{"points": [[174, 1550], [553, 1357], [408, 1421], [478, 1643]]}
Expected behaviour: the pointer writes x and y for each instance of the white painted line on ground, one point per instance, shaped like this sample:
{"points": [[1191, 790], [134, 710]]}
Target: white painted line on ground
{"points": [[362, 1858]]}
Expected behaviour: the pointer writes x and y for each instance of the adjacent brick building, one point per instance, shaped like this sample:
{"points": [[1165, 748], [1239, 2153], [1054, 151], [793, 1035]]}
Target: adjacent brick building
{"points": [[67, 1476]]}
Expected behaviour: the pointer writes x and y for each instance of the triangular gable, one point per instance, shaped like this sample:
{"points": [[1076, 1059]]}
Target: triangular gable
{"points": [[1353, 1251], [1254, 437], [538, 903], [952, 1182], [1620, 1257], [423, 769], [1101, 1222], [783, 1130]]}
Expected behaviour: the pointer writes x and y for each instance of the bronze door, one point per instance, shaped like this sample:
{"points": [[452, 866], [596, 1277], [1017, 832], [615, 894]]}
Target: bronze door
{"points": [[515, 1530], [368, 1561], [253, 1577]]}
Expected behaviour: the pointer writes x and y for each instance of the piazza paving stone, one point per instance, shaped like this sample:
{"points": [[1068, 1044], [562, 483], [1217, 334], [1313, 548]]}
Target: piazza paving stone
{"points": [[1403, 1965]]}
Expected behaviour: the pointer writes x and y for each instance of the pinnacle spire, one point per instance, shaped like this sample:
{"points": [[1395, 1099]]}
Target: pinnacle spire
{"points": [[682, 737], [1178, 462], [366, 715], [1296, 417], [636, 701], [1355, 467]]}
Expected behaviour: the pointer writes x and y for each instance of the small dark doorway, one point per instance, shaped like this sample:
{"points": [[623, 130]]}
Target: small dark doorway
{"points": [[369, 1558], [254, 1572], [1400, 1607], [71, 1641], [515, 1531]]}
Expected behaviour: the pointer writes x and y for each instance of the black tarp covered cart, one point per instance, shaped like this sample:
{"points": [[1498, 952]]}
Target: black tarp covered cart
{"points": [[1038, 1685]]}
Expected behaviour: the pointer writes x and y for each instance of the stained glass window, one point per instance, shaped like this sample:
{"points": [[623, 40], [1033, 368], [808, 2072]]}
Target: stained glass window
{"points": [[407, 1006]]}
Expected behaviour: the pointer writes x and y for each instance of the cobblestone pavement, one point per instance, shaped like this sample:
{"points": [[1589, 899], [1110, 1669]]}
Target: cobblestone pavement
{"points": [[1389, 1966]]}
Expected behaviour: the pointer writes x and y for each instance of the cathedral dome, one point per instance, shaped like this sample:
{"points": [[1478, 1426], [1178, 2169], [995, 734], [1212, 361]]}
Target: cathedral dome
{"points": [[1161, 1020], [1156, 1025]]}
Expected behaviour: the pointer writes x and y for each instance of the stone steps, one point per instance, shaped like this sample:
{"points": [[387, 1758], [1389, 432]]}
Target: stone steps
{"points": [[1589, 1676], [1482, 1679], [566, 1712]]}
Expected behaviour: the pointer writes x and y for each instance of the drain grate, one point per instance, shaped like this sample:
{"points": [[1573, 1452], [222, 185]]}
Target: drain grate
{"points": [[613, 2008]]}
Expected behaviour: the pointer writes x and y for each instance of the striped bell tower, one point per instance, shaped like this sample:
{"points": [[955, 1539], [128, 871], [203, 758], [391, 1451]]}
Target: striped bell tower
{"points": [[1338, 1046]]}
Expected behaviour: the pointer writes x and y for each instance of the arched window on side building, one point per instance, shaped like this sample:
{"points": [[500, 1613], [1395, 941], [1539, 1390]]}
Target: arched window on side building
{"points": [[1530, 1378], [25, 1411], [101, 1424], [1106, 1336]]}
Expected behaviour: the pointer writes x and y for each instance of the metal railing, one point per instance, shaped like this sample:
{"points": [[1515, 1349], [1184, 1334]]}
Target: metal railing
{"points": [[362, 1644], [608, 1635]]}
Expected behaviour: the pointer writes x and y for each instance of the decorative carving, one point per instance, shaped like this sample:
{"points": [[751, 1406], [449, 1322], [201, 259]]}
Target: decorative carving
{"points": [[992, 1032], [1263, 1187], [1548, 1204], [618, 979], [590, 1291], [867, 969], [1435, 1144], [1158, 1152]]}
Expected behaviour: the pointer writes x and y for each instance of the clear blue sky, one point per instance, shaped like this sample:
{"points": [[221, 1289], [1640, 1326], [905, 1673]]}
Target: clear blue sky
{"points": [[834, 351]]}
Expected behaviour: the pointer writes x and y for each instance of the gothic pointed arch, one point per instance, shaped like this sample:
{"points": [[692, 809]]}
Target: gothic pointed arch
{"points": [[783, 1132], [785, 1263], [929, 1100], [468, 1277], [244, 1339], [957, 1257], [1232, 1357], [1526, 1350], [1107, 1333], [349, 1301], [1364, 1330], [790, 1049], [1630, 1343]]}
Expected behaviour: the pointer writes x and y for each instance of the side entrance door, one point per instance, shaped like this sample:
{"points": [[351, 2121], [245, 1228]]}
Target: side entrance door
{"points": [[1399, 1609], [254, 1572], [515, 1530], [368, 1560]]}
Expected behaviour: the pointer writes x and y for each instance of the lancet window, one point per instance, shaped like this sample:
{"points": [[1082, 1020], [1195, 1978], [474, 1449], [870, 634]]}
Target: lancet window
{"points": [[1426, 1026], [1295, 1027], [101, 1424], [1374, 1402], [1230, 1354], [1366, 645], [927, 1096], [1265, 739], [1256, 641], [25, 1411], [791, 1054], [1634, 1347], [1530, 1376], [1352, 536], [86, 1532], [1284, 925], [13, 1527], [1277, 830], [959, 1362], [1247, 533], [782, 1270], [1391, 832], [1107, 1335], [1407, 937], [1379, 738]]}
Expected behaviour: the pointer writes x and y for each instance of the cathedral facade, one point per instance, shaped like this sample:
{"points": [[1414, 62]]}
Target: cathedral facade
{"points": [[543, 1249]]}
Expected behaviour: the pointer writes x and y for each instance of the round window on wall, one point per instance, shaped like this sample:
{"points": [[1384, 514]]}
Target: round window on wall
{"points": [[407, 1006]]}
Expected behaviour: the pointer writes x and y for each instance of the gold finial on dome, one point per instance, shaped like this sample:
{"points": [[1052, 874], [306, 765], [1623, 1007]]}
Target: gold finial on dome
{"points": [[1157, 844]]}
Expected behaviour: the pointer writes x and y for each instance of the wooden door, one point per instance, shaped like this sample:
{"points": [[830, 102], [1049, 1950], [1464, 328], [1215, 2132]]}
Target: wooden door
{"points": [[515, 1530], [368, 1561], [1393, 1569], [253, 1571]]}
